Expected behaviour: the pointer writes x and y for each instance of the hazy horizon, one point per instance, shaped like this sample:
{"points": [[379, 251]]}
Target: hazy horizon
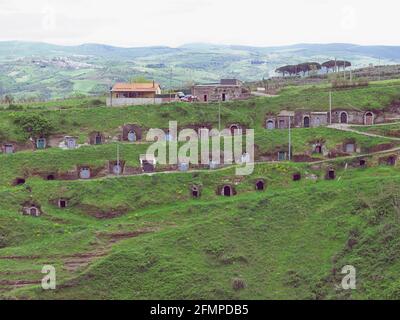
{"points": [[173, 23], [198, 44]]}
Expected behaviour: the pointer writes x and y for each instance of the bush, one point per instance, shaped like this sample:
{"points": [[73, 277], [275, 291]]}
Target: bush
{"points": [[238, 284], [15, 107], [33, 125]]}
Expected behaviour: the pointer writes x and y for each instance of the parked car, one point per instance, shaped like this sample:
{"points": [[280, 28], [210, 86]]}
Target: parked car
{"points": [[188, 98]]}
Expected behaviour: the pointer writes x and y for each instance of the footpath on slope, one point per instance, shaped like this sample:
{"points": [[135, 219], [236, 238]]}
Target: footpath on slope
{"points": [[346, 127]]}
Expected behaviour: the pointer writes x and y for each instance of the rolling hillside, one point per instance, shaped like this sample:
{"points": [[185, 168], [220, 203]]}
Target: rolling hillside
{"points": [[45, 71], [148, 236]]}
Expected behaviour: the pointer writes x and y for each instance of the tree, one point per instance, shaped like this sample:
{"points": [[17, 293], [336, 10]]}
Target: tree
{"points": [[336, 64], [296, 69], [8, 99], [33, 125]]}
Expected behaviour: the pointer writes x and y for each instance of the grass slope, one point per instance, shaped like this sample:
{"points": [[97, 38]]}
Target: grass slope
{"points": [[288, 242]]}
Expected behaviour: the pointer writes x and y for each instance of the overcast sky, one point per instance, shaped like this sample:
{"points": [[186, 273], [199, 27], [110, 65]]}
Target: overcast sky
{"points": [[175, 22]]}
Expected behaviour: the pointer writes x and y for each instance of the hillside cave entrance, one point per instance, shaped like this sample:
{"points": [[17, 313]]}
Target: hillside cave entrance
{"points": [[331, 174], [19, 181], [260, 185], [62, 203], [343, 118], [132, 137], [41, 143], [306, 122], [117, 169], [8, 148], [350, 148], [34, 211], [98, 139], [227, 191], [391, 161], [195, 192], [84, 173], [270, 124], [234, 129], [297, 177], [369, 119]]}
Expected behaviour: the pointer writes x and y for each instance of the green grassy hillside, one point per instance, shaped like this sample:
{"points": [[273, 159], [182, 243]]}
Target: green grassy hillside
{"points": [[283, 243], [144, 236]]}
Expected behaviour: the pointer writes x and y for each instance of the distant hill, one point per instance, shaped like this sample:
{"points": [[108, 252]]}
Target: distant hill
{"points": [[44, 71]]}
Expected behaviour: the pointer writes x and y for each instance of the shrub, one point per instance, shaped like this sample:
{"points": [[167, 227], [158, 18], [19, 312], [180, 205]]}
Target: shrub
{"points": [[238, 284], [33, 125]]}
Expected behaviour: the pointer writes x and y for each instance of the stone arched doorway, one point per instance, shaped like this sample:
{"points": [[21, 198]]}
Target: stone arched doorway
{"points": [[270, 124], [297, 176], [117, 169], [132, 137], [33, 211], [84, 173], [195, 191], [62, 203], [19, 181], [227, 191], [343, 117], [235, 129], [306, 122], [331, 175], [260, 185], [369, 119], [98, 139]]}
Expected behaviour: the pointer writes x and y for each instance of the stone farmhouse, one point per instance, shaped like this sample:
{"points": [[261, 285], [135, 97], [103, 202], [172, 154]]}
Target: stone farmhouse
{"points": [[225, 90]]}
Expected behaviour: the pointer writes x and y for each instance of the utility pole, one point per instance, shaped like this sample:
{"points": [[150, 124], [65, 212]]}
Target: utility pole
{"points": [[290, 138], [118, 162], [170, 85], [219, 116], [330, 107], [379, 69]]}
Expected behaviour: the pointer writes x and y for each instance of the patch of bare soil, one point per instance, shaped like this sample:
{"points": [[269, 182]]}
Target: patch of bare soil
{"points": [[394, 133], [78, 261], [304, 158], [336, 154], [18, 283], [381, 147], [100, 213], [72, 262], [116, 237]]}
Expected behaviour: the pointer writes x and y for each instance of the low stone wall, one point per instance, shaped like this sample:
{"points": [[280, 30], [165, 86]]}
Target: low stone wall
{"points": [[117, 102]]}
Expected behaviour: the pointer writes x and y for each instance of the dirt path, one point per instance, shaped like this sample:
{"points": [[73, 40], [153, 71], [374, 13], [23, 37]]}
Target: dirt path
{"points": [[346, 127]]}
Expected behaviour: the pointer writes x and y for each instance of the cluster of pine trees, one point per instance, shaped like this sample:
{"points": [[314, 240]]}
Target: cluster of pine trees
{"points": [[307, 67]]}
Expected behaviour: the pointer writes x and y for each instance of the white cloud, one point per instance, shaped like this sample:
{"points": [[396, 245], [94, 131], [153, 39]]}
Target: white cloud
{"points": [[174, 22]]}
